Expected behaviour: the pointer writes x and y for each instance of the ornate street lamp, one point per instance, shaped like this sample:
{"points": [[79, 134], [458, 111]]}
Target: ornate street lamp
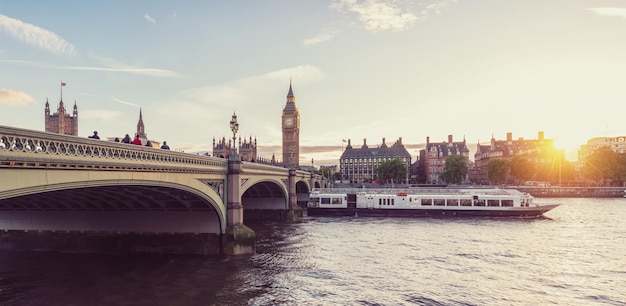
{"points": [[234, 126]]}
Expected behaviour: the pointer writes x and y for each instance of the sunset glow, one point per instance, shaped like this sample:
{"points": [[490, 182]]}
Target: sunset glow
{"points": [[360, 70]]}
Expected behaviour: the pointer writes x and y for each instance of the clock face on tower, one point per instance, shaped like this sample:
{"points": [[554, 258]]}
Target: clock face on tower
{"points": [[289, 122]]}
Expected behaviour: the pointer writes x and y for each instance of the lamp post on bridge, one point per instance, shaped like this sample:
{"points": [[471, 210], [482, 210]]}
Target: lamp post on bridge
{"points": [[239, 239], [234, 127]]}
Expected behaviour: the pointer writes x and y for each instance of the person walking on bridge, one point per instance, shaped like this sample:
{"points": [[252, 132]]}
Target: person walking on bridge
{"points": [[126, 139], [165, 146], [95, 135], [137, 141]]}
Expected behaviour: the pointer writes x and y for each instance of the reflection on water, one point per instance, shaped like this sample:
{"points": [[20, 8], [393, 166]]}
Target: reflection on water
{"points": [[574, 257]]}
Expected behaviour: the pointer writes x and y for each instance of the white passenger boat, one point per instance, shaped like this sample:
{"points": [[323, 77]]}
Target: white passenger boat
{"points": [[426, 202]]}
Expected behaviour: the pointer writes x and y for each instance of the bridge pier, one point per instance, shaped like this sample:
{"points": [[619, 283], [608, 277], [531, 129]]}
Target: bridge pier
{"points": [[238, 238], [295, 211], [65, 192]]}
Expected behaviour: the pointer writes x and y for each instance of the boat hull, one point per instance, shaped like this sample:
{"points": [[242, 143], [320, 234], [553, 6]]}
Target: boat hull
{"points": [[518, 212]]}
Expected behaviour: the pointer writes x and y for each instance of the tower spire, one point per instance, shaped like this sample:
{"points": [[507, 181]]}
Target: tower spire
{"points": [[141, 130], [290, 97]]}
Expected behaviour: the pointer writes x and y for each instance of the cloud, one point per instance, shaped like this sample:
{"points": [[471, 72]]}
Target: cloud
{"points": [[244, 89], [14, 98], [124, 102], [149, 19], [389, 15], [609, 11], [304, 73], [378, 15], [144, 71], [436, 8], [109, 65], [317, 39], [36, 36]]}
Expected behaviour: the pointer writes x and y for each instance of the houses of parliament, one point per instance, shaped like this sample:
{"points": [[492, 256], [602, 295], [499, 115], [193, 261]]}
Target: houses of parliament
{"points": [[62, 122]]}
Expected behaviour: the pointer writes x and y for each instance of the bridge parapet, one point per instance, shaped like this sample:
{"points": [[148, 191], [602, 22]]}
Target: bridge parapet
{"points": [[34, 149]]}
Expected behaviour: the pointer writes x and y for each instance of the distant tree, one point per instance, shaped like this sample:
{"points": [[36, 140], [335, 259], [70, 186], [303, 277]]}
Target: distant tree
{"points": [[392, 171], [522, 168], [497, 170], [324, 171], [455, 169], [620, 169], [601, 165], [337, 176]]}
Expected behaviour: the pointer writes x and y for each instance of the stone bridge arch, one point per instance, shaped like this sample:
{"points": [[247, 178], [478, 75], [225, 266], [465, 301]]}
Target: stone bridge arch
{"points": [[264, 194], [302, 192], [113, 205]]}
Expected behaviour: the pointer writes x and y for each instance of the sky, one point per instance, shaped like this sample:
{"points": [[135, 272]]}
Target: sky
{"points": [[359, 70]]}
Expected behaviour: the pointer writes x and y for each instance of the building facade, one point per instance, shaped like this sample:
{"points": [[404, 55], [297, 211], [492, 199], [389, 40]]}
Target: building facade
{"points": [[291, 132], [247, 149], [433, 157], [61, 122], [358, 165], [540, 150], [617, 144]]}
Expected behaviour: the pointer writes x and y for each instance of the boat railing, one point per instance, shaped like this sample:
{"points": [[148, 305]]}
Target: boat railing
{"points": [[415, 191]]}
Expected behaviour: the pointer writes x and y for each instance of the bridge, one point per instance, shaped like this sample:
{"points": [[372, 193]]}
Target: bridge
{"points": [[66, 192]]}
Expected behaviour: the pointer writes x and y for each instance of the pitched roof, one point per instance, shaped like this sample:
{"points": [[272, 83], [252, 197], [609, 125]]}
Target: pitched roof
{"points": [[382, 151]]}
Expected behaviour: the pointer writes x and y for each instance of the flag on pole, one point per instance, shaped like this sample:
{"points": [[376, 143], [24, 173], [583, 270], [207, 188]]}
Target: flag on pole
{"points": [[63, 83]]}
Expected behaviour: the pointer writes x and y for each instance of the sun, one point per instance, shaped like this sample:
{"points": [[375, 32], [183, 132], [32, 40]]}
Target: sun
{"points": [[570, 146]]}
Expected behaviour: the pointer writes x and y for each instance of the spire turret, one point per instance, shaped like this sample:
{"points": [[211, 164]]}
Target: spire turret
{"points": [[290, 97], [141, 130]]}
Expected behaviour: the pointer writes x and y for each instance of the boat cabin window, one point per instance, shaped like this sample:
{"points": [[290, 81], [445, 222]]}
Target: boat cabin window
{"points": [[427, 201], [325, 200], [439, 202], [336, 201], [466, 202], [507, 203], [493, 202], [479, 202], [453, 202], [386, 201], [315, 200]]}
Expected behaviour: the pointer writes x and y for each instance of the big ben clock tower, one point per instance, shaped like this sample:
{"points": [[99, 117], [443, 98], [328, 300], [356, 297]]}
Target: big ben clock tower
{"points": [[291, 132]]}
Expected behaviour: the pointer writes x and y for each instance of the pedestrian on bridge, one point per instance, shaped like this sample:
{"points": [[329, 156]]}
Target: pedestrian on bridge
{"points": [[95, 135], [137, 141], [165, 146], [126, 139]]}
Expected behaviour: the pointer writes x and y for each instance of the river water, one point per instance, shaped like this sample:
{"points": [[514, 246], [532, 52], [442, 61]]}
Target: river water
{"points": [[575, 256]]}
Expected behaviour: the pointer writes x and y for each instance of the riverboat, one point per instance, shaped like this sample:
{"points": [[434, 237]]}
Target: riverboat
{"points": [[432, 202]]}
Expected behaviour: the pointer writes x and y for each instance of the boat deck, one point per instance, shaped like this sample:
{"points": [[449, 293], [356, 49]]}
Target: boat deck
{"points": [[418, 191]]}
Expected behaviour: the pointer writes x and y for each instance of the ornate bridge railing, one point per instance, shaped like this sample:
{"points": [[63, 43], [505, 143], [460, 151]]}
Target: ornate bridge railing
{"points": [[34, 149]]}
